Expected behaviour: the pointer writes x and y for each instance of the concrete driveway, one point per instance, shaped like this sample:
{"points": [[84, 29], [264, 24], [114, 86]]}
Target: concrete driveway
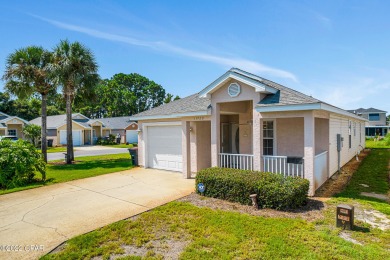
{"points": [[88, 151], [33, 222]]}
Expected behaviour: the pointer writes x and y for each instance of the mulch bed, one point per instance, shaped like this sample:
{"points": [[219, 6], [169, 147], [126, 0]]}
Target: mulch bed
{"points": [[310, 212]]}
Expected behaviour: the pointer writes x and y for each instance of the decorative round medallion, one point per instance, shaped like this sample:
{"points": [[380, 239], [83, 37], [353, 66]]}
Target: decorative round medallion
{"points": [[234, 90]]}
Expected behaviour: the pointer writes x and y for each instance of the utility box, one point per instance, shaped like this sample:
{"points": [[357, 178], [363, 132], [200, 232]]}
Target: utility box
{"points": [[340, 140], [345, 216]]}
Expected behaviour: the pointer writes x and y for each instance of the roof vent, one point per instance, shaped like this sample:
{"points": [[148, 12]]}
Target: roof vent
{"points": [[234, 90]]}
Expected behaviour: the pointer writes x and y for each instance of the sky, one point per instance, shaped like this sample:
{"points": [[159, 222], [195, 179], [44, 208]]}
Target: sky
{"points": [[336, 51]]}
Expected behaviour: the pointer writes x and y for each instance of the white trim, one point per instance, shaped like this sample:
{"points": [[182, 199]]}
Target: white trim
{"points": [[145, 137], [177, 115], [238, 89], [6, 120], [313, 106], [233, 74]]}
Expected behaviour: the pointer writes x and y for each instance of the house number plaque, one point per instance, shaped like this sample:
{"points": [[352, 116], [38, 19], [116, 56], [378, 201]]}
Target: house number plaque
{"points": [[344, 216]]}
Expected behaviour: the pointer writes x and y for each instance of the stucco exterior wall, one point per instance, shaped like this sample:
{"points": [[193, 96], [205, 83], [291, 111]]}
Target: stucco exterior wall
{"points": [[219, 100], [321, 135], [289, 136], [339, 124], [18, 127], [203, 146]]}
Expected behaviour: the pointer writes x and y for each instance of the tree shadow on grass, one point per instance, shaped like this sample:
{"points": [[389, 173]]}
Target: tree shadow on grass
{"points": [[88, 165]]}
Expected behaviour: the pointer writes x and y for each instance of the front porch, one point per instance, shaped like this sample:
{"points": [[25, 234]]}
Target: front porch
{"points": [[291, 143]]}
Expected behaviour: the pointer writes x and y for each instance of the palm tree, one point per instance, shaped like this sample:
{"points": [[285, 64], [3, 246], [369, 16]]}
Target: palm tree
{"points": [[76, 70], [26, 73]]}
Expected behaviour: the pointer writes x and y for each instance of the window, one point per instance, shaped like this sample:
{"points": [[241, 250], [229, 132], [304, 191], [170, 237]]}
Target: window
{"points": [[373, 117], [268, 138], [12, 132], [349, 134]]}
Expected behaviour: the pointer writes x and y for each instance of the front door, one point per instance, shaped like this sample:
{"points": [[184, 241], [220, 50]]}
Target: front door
{"points": [[230, 138]]}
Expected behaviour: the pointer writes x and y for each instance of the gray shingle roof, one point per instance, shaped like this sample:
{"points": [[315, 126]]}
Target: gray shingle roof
{"points": [[193, 103], [52, 121], [56, 121], [366, 110], [188, 104], [117, 122]]}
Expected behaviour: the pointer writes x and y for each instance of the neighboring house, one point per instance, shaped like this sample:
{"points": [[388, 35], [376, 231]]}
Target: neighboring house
{"points": [[376, 121], [11, 125], [244, 121], [85, 131], [127, 128]]}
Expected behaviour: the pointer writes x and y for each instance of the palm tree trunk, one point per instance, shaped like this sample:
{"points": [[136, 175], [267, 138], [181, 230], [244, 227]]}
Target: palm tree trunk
{"points": [[69, 137], [44, 127]]}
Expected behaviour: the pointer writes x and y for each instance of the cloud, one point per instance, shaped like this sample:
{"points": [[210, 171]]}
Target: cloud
{"points": [[325, 21], [252, 66], [355, 92]]}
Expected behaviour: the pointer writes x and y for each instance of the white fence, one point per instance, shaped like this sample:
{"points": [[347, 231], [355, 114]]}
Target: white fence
{"points": [[279, 164], [320, 169], [236, 161]]}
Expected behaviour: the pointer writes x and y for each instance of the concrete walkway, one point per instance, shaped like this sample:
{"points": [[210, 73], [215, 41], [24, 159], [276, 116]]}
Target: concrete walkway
{"points": [[33, 222], [88, 151]]}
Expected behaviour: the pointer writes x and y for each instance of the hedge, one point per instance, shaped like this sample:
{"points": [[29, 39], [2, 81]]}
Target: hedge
{"points": [[273, 190]]}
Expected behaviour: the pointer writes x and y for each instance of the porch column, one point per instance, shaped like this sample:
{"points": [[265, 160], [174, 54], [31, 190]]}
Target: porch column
{"points": [[185, 125], [91, 142], [309, 144], [256, 139], [215, 134]]}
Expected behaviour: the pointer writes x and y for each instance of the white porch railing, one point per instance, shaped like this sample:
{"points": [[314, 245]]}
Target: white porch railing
{"points": [[320, 168], [236, 161], [279, 164]]}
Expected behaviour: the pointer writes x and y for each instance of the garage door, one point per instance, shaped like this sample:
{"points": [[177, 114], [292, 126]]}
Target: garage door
{"points": [[76, 134], [164, 147], [131, 136]]}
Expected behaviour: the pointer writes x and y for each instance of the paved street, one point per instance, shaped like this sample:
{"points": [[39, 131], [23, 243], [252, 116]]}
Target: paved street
{"points": [[88, 151], [36, 221]]}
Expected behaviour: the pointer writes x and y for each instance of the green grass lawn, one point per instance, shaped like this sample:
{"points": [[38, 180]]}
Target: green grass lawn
{"points": [[204, 233], [216, 234], [383, 143], [373, 172], [58, 149], [85, 167]]}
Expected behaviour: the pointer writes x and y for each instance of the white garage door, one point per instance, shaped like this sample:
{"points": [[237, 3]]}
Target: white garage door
{"points": [[164, 147], [131, 136], [76, 134]]}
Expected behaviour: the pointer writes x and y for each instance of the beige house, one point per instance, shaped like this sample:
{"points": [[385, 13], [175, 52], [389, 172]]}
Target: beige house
{"points": [[85, 131], [244, 121], [11, 125]]}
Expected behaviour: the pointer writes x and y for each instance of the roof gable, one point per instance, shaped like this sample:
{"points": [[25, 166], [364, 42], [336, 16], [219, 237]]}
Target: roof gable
{"points": [[241, 76]]}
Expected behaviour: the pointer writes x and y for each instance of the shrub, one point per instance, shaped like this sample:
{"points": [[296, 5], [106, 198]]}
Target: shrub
{"points": [[108, 140], [32, 133], [19, 161], [273, 190]]}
